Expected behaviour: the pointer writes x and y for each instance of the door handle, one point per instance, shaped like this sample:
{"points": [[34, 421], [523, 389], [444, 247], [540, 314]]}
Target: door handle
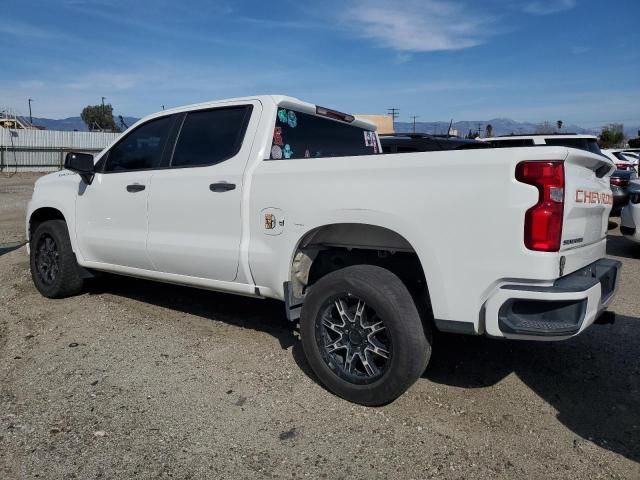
{"points": [[135, 187], [222, 187]]}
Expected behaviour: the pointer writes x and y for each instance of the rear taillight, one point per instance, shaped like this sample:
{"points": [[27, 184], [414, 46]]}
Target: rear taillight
{"points": [[543, 221], [622, 166], [618, 181]]}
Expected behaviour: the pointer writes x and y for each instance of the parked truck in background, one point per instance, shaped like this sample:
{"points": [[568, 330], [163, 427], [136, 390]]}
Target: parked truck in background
{"points": [[269, 196]]}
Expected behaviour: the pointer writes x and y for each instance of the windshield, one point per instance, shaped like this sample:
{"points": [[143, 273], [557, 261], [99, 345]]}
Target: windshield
{"points": [[301, 135]]}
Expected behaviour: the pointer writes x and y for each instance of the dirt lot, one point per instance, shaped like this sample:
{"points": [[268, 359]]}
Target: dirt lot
{"points": [[140, 380]]}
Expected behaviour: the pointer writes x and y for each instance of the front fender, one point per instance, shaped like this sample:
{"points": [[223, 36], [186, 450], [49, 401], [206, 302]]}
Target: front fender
{"points": [[58, 191]]}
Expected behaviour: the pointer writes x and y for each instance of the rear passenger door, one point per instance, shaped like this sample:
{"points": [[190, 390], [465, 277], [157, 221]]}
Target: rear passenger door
{"points": [[195, 220]]}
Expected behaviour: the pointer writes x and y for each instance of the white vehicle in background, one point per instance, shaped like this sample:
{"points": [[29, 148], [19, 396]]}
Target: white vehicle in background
{"points": [[621, 160], [633, 156], [630, 216], [269, 196]]}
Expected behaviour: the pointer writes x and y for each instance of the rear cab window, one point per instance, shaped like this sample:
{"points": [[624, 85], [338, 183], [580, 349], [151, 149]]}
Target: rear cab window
{"points": [[303, 135]]}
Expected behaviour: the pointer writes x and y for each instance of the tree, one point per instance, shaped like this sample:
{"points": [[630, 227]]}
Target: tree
{"points": [[472, 134], [559, 124], [99, 117], [612, 136], [488, 130]]}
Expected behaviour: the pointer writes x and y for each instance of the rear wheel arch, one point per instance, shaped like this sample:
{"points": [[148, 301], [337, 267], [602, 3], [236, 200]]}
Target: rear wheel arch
{"points": [[332, 247]]}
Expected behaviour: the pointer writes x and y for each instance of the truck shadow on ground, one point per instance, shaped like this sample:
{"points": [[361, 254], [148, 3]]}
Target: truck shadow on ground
{"points": [[262, 315], [592, 381], [618, 246], [10, 247]]}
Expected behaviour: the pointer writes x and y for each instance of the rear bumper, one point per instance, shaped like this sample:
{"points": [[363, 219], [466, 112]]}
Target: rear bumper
{"points": [[555, 312]]}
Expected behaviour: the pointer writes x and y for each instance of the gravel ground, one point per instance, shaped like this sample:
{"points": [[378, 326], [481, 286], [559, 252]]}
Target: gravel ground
{"points": [[15, 192], [140, 380]]}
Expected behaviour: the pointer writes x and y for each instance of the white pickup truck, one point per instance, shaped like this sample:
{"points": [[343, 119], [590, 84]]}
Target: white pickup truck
{"points": [[270, 196]]}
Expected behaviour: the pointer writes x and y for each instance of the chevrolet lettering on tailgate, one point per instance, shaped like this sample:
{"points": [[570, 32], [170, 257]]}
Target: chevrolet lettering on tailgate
{"points": [[585, 196]]}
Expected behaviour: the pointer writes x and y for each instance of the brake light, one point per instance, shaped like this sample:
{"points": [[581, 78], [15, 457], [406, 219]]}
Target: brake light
{"points": [[327, 112], [621, 166], [543, 221], [619, 181]]}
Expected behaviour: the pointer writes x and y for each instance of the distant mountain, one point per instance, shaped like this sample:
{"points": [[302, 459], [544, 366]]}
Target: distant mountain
{"points": [[73, 123], [501, 126]]}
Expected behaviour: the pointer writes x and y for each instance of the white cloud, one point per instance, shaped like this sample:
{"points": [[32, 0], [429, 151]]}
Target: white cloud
{"points": [[580, 49], [418, 25], [105, 80], [403, 57], [24, 30], [547, 7]]}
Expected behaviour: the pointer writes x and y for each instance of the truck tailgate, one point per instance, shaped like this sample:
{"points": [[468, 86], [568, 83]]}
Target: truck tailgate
{"points": [[588, 199]]}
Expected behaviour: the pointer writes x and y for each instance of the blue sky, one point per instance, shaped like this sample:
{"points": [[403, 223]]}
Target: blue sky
{"points": [[534, 60]]}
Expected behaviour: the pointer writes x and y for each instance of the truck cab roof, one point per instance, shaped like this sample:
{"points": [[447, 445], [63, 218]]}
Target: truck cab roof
{"points": [[277, 100]]}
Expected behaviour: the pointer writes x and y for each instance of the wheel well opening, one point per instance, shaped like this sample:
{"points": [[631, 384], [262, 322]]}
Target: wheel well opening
{"points": [[334, 247], [42, 215]]}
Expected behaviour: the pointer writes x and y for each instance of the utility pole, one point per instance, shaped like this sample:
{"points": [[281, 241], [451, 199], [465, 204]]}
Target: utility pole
{"points": [[162, 107], [413, 117], [102, 120], [30, 118], [395, 113]]}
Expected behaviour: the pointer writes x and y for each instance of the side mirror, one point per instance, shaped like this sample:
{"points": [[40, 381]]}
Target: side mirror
{"points": [[81, 163]]}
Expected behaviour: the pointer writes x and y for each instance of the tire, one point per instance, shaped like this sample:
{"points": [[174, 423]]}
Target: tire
{"points": [[337, 298], [54, 268]]}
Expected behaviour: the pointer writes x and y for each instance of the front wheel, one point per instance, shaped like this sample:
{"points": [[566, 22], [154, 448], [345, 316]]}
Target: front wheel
{"points": [[363, 336], [54, 268]]}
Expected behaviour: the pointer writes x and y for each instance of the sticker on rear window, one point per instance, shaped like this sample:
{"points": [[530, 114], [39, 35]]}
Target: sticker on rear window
{"points": [[276, 152], [287, 152], [277, 136], [282, 115], [368, 141], [292, 120]]}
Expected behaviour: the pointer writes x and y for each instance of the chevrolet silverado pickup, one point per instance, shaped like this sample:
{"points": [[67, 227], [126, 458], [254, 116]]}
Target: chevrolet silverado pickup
{"points": [[272, 197]]}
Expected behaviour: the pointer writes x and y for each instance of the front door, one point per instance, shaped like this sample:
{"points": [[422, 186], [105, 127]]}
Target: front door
{"points": [[111, 213]]}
